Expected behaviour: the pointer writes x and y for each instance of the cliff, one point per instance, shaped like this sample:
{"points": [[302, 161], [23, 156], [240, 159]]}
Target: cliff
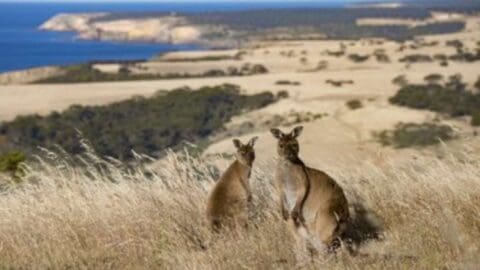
{"points": [[162, 29]]}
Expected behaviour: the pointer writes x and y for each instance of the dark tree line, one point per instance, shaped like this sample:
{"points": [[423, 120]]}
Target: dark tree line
{"points": [[146, 125]]}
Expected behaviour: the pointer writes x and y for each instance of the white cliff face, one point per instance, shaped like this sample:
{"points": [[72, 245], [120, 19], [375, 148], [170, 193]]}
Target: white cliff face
{"points": [[165, 29], [70, 22]]}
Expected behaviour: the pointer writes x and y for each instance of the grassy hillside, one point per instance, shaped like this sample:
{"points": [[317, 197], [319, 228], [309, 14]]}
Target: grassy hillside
{"points": [[103, 217], [146, 125]]}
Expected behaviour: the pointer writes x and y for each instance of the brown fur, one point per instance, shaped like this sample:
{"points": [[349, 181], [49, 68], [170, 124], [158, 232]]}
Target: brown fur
{"points": [[311, 198], [228, 201]]}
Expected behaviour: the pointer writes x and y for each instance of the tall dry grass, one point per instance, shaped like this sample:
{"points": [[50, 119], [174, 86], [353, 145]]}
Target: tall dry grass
{"points": [[105, 215]]}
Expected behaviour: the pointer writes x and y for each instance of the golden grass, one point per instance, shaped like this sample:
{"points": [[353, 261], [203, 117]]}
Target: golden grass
{"points": [[106, 216]]}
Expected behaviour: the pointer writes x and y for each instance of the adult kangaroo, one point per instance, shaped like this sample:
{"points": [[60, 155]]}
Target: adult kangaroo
{"points": [[228, 201], [310, 198]]}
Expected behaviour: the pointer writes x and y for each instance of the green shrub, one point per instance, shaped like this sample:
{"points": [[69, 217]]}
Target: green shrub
{"points": [[382, 58], [146, 125], [433, 78], [414, 135], [440, 57], [476, 118], [400, 80], [282, 94], [477, 84], [338, 83], [417, 58], [287, 82], [454, 43], [354, 104], [358, 58], [10, 161], [336, 53]]}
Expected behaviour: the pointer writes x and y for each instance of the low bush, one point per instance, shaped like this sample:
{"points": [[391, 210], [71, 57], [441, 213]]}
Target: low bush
{"points": [[463, 56], [338, 83], [354, 104], [358, 58], [417, 58], [282, 94], [335, 53], [400, 80], [433, 78], [414, 135], [287, 82], [454, 43], [10, 161]]}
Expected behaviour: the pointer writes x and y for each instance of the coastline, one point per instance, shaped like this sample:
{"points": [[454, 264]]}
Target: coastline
{"points": [[198, 30]]}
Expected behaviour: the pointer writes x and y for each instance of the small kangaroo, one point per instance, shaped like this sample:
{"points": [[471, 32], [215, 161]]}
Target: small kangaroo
{"points": [[228, 202], [315, 202]]}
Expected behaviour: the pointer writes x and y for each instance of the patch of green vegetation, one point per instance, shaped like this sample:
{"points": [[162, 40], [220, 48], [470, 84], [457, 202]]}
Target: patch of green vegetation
{"points": [[338, 83], [400, 80], [463, 56], [146, 125], [440, 57], [287, 82], [336, 53], [416, 58], [358, 58], [477, 84], [354, 104], [454, 43], [476, 118], [282, 94], [452, 98], [433, 78], [87, 73], [414, 135], [10, 161], [381, 56]]}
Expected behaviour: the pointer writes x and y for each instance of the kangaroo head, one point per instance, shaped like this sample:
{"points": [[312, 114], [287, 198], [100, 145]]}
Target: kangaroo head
{"points": [[245, 152], [287, 147]]}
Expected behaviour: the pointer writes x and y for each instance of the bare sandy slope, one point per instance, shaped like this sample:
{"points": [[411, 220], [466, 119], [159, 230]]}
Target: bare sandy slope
{"points": [[341, 133]]}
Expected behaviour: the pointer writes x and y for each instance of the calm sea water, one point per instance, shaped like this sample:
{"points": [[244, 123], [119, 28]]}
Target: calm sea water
{"points": [[23, 46]]}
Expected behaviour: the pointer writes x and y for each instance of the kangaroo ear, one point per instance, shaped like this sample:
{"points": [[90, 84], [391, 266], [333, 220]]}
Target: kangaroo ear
{"points": [[297, 131], [252, 141], [237, 143], [277, 133]]}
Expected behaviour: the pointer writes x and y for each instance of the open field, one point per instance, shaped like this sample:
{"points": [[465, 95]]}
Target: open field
{"points": [[424, 211]]}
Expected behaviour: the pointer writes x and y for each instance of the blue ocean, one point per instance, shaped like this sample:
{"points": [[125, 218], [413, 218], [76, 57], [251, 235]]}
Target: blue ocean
{"points": [[22, 45]]}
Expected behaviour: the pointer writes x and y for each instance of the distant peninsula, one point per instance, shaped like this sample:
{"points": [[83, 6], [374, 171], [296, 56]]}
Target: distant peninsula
{"points": [[230, 29]]}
